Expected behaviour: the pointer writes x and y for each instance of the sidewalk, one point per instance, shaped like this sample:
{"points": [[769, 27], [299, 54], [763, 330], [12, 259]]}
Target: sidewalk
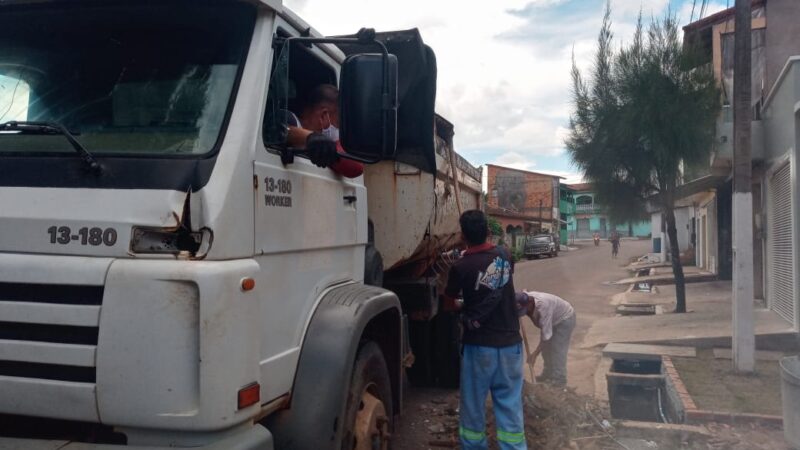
{"points": [[709, 316], [661, 275]]}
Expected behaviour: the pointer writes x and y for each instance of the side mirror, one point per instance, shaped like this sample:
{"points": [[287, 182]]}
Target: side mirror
{"points": [[368, 106]]}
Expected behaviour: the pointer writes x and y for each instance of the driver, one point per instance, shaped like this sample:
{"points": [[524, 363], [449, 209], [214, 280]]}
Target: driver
{"points": [[317, 131]]}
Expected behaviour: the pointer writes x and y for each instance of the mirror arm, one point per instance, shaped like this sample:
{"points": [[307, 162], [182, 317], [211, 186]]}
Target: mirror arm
{"points": [[346, 155]]}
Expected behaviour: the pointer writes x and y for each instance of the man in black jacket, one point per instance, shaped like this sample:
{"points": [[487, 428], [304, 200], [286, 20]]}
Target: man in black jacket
{"points": [[492, 359]]}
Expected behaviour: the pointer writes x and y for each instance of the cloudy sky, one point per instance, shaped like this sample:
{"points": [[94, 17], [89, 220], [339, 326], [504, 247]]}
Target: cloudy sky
{"points": [[503, 65]]}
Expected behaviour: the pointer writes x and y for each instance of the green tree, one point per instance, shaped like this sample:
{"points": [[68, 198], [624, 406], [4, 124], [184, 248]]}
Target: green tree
{"points": [[494, 227], [644, 111]]}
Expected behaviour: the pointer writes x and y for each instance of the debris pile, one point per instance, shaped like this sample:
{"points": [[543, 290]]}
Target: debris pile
{"points": [[555, 418], [558, 418]]}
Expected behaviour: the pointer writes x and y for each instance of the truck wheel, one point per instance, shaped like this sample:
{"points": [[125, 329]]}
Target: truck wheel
{"points": [[369, 402], [446, 345], [373, 267]]}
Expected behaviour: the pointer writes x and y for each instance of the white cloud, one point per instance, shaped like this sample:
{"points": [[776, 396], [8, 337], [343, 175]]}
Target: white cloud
{"points": [[515, 161], [504, 66]]}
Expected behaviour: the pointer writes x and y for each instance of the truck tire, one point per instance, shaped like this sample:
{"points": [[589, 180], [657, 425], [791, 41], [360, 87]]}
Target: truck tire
{"points": [[447, 348], [420, 336], [373, 266], [368, 414], [351, 322]]}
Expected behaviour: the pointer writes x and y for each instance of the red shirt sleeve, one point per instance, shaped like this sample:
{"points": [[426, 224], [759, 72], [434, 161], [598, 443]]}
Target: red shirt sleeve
{"points": [[347, 167]]}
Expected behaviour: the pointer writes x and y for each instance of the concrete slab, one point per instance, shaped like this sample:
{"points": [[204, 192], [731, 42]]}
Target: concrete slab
{"points": [[761, 355], [643, 352], [668, 278], [709, 320], [637, 309], [662, 432], [635, 267]]}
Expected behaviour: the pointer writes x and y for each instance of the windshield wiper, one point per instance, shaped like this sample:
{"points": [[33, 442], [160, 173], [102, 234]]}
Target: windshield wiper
{"points": [[54, 128]]}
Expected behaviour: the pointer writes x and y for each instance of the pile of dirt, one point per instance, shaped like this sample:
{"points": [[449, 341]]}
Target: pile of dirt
{"points": [[558, 418], [555, 418]]}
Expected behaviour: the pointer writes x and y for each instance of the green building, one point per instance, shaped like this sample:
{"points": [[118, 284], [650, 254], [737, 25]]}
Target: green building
{"points": [[590, 217], [566, 207]]}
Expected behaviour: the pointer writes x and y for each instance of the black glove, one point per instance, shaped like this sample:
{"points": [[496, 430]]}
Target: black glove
{"points": [[321, 150]]}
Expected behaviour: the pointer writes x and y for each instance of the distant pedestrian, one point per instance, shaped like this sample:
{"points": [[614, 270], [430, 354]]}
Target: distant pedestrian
{"points": [[492, 359], [614, 244], [556, 319]]}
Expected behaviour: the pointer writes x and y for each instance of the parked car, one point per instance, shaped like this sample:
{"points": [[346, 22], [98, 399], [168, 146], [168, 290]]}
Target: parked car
{"points": [[540, 244]]}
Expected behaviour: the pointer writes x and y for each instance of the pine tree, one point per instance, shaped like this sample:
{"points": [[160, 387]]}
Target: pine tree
{"points": [[645, 111]]}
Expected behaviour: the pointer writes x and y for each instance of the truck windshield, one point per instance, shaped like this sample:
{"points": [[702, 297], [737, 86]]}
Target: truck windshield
{"points": [[148, 79]]}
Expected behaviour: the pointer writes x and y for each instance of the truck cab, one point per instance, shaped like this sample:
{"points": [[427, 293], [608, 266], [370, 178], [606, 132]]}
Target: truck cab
{"points": [[171, 274]]}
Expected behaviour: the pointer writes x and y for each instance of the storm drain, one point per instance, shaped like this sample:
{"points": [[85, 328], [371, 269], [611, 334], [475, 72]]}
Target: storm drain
{"points": [[638, 390]]}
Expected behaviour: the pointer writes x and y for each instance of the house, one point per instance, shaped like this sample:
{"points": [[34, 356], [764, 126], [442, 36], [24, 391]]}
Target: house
{"points": [[775, 139], [524, 202], [591, 217], [702, 222], [566, 209]]}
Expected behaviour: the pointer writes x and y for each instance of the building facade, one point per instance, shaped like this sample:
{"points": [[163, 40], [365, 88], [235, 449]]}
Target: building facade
{"points": [[566, 209], [775, 139], [590, 217], [523, 202]]}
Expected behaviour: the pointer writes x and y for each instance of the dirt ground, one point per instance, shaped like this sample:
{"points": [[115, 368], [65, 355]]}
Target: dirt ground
{"points": [[745, 437], [555, 418], [714, 385]]}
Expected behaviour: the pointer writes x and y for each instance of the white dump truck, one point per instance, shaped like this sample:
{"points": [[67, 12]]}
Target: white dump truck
{"points": [[171, 273]]}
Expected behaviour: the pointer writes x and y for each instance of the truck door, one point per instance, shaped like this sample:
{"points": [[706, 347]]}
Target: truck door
{"points": [[310, 229]]}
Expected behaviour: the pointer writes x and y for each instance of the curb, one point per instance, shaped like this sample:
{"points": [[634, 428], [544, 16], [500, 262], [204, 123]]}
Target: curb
{"points": [[694, 415]]}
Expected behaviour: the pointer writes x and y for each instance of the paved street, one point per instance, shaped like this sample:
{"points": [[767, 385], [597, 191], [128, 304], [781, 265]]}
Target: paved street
{"points": [[579, 277]]}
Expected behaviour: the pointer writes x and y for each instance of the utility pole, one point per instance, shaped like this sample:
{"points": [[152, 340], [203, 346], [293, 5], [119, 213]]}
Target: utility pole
{"points": [[541, 219], [743, 327]]}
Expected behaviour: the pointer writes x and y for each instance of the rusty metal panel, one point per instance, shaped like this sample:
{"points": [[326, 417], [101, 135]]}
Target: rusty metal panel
{"points": [[414, 213]]}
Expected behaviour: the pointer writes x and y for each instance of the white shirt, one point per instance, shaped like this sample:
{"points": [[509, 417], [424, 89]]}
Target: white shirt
{"points": [[550, 311]]}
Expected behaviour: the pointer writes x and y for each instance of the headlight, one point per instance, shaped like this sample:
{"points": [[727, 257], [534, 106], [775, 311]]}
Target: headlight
{"points": [[171, 241]]}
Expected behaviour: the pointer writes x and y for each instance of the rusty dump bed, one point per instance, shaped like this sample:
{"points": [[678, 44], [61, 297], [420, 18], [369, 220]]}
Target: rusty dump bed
{"points": [[415, 213]]}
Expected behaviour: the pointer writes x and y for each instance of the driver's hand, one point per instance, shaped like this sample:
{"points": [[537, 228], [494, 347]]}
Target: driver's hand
{"points": [[321, 150]]}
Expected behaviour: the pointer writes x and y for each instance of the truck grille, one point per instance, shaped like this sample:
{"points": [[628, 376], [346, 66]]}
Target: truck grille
{"points": [[49, 331]]}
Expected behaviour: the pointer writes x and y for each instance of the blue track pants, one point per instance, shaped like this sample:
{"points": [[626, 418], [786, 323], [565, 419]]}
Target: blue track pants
{"points": [[499, 371]]}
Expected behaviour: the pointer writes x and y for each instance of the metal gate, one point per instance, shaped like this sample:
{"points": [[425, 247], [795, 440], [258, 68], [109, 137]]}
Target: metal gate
{"points": [[781, 262], [584, 230]]}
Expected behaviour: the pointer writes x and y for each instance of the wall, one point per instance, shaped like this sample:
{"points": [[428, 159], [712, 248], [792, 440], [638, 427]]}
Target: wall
{"points": [[527, 193], [783, 28], [658, 235], [711, 249], [640, 229], [512, 221], [782, 126], [683, 219], [778, 114]]}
